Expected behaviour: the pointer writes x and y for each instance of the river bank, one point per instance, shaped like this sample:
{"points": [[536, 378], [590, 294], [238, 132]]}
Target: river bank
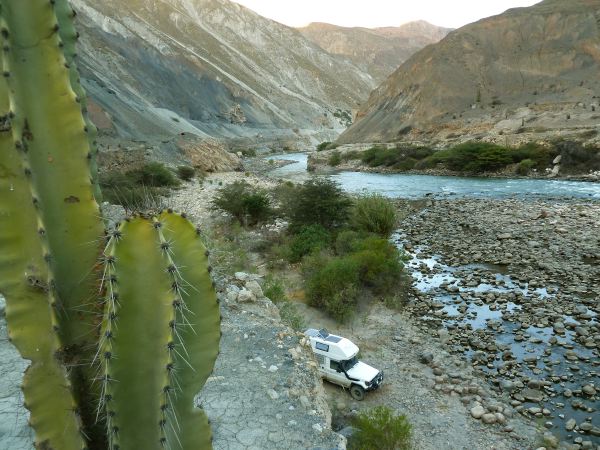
{"points": [[348, 158]]}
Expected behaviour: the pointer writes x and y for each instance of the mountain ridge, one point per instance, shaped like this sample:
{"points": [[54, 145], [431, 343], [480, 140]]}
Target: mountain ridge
{"points": [[379, 51], [529, 71]]}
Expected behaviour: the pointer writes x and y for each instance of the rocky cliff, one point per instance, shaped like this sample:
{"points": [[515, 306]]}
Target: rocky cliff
{"points": [[210, 68], [527, 73], [378, 51]]}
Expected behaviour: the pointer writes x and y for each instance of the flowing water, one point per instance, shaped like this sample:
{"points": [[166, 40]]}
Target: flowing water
{"points": [[542, 353], [418, 186]]}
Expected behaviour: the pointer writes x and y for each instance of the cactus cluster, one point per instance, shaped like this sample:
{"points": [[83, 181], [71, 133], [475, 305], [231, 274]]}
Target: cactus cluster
{"points": [[121, 327]]}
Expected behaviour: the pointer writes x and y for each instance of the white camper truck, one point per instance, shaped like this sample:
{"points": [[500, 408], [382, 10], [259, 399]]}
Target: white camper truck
{"points": [[338, 363]]}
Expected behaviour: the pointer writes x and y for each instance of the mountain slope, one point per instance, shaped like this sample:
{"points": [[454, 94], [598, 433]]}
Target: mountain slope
{"points": [[208, 67], [529, 70], [379, 51]]}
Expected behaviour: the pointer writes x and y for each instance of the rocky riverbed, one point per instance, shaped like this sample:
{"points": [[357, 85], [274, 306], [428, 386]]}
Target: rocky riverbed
{"points": [[513, 287]]}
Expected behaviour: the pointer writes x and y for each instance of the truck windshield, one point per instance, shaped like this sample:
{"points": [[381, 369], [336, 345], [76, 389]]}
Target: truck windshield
{"points": [[349, 363]]}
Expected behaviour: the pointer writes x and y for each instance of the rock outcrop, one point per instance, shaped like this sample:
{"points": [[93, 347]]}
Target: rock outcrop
{"points": [[210, 68], [378, 51], [527, 72]]}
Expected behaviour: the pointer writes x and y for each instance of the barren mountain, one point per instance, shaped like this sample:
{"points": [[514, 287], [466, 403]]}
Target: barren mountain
{"points": [[379, 51], [527, 73], [156, 68]]}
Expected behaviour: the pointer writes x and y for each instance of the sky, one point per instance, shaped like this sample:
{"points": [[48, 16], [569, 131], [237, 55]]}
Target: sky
{"points": [[380, 13]]}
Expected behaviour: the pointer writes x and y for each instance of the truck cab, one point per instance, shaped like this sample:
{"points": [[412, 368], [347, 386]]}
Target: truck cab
{"points": [[338, 362]]}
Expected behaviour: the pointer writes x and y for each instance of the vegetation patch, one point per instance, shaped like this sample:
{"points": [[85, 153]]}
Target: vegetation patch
{"points": [[481, 157], [342, 244], [380, 429], [374, 214], [138, 189], [274, 289], [186, 173], [244, 202], [319, 202], [401, 158], [335, 159], [309, 239]]}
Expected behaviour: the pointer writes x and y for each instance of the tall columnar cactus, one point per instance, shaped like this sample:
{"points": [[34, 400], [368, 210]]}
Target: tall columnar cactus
{"points": [[158, 339], [51, 134], [167, 309]]}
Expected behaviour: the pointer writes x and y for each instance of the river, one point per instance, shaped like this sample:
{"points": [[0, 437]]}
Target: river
{"points": [[418, 186]]}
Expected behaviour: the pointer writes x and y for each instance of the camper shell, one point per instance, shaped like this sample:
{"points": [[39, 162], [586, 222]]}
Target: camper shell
{"points": [[338, 363]]}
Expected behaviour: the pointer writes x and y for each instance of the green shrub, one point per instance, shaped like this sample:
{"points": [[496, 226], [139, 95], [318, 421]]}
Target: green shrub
{"points": [[247, 204], [364, 264], [274, 290], [137, 198], [249, 152], [345, 242], [284, 196], [379, 263], [374, 214], [322, 146], [327, 278], [351, 155], [378, 156], [525, 166], [308, 239], [155, 174], [474, 157], [126, 190], [399, 158], [380, 429], [290, 316], [335, 159], [319, 201], [541, 155], [186, 173], [342, 304]]}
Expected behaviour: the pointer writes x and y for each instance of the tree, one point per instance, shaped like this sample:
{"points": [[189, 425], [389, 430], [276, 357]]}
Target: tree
{"points": [[320, 201]]}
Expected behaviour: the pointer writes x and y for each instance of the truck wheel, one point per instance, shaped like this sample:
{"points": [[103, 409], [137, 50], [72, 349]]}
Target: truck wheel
{"points": [[357, 392]]}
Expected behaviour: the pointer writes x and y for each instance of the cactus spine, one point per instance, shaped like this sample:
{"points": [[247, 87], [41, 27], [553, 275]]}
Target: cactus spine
{"points": [[159, 338]]}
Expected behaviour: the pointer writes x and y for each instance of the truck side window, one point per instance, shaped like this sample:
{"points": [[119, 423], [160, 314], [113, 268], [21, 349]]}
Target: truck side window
{"points": [[321, 360], [322, 347], [335, 366]]}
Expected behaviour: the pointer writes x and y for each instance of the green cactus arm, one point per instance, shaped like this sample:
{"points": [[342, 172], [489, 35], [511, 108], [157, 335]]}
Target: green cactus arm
{"points": [[49, 127], [159, 301], [24, 282], [202, 342], [69, 36], [136, 357], [54, 135]]}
